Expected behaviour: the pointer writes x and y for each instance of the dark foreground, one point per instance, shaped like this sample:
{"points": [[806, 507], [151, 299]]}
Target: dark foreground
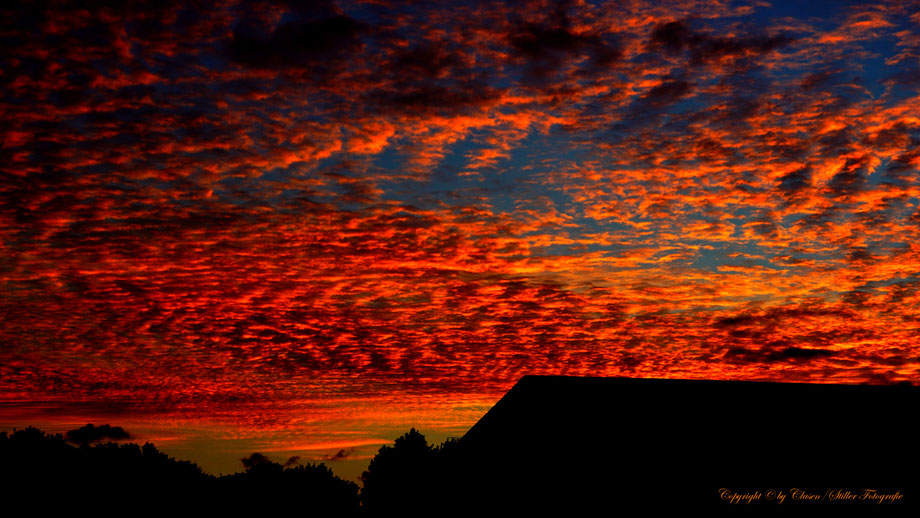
{"points": [[614, 443], [44, 473], [568, 446]]}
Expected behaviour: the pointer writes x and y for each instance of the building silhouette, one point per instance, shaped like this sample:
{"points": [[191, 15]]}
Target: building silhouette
{"points": [[601, 444]]}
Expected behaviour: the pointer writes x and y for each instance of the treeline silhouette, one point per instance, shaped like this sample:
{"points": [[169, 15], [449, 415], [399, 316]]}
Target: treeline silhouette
{"points": [[544, 448], [84, 469], [50, 472]]}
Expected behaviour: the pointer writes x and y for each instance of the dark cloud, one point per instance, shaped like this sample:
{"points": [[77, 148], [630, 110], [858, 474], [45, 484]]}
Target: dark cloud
{"points": [[254, 460], [668, 92], [906, 78], [852, 178], [880, 378], [736, 321], [861, 255], [430, 59], [338, 456], [432, 78], [798, 353], [435, 97], [548, 45], [89, 434], [795, 181], [837, 142], [770, 355], [816, 80], [858, 297], [311, 8], [903, 168], [778, 315], [321, 46], [675, 37]]}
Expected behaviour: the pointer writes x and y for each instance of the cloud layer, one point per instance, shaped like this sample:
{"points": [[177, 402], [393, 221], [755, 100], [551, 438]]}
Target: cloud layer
{"points": [[296, 203]]}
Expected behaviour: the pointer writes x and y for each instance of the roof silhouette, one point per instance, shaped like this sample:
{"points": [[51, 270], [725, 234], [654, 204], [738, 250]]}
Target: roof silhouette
{"points": [[604, 443]]}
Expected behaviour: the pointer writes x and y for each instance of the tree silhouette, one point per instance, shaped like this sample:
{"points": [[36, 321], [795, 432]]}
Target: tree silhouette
{"points": [[265, 486], [399, 476], [45, 470], [36, 467], [411, 477]]}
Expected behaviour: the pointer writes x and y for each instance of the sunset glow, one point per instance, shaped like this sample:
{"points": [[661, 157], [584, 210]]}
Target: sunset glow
{"points": [[303, 227]]}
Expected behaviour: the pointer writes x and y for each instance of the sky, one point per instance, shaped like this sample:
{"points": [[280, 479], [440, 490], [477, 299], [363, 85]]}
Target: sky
{"points": [[301, 228]]}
